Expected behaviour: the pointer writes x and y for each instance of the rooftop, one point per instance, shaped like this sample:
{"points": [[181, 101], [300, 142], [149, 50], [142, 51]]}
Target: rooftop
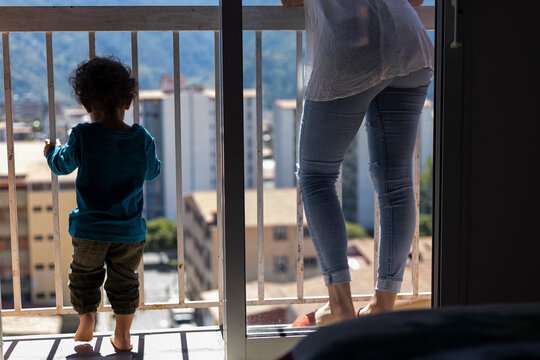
{"points": [[30, 162], [279, 206]]}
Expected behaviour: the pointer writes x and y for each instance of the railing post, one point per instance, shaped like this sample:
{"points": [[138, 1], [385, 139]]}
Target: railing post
{"points": [[178, 165], [231, 71], [219, 173], [12, 188], [299, 204], [416, 240], [54, 178], [260, 180]]}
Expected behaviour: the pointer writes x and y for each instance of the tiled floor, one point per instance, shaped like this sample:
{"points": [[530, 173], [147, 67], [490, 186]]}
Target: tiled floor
{"points": [[191, 344]]}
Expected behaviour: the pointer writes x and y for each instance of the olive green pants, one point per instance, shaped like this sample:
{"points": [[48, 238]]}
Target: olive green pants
{"points": [[87, 272]]}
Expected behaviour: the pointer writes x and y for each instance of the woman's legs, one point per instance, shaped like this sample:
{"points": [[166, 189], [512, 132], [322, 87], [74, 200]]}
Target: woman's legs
{"points": [[392, 124], [327, 130]]}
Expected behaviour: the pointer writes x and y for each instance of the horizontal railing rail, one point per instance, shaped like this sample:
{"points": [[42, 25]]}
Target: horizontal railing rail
{"points": [[155, 18], [172, 19]]}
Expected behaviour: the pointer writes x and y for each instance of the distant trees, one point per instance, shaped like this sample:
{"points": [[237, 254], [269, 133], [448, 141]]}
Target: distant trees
{"points": [[355, 231], [426, 199], [160, 234]]}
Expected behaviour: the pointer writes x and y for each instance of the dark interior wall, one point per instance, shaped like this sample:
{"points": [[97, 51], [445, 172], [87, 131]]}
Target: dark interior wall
{"points": [[492, 253]]}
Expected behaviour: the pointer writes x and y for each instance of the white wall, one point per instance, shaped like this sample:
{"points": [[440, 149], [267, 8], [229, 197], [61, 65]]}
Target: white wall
{"points": [[284, 141], [198, 145]]}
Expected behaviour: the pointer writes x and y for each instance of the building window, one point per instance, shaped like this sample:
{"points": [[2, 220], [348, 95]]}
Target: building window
{"points": [[40, 295], [39, 267], [280, 233], [51, 267], [38, 237], [50, 237], [310, 262], [52, 294], [49, 208], [37, 208], [281, 264]]}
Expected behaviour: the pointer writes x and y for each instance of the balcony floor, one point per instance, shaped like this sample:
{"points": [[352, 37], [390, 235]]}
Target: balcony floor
{"points": [[199, 343]]}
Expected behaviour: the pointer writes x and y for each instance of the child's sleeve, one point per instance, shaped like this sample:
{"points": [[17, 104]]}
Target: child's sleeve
{"points": [[63, 160], [153, 164]]}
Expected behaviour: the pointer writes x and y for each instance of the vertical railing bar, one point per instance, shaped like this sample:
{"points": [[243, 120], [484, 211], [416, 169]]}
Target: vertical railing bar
{"points": [[91, 45], [219, 176], [135, 73], [54, 179], [13, 224], [415, 249], [92, 55], [299, 206], [376, 235], [339, 185], [178, 163], [260, 205], [137, 120]]}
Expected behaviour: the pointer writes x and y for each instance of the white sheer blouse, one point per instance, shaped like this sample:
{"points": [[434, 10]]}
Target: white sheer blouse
{"points": [[352, 45]]}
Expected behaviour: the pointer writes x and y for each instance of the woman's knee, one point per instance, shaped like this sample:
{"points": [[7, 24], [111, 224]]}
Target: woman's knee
{"points": [[311, 182]]}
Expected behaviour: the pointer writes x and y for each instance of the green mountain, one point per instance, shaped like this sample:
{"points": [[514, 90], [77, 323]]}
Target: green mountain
{"points": [[28, 56]]}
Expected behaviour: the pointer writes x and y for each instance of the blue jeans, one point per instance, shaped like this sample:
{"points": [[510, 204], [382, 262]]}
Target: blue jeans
{"points": [[392, 111]]}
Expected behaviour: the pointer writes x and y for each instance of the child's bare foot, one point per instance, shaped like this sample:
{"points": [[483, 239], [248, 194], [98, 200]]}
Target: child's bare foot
{"points": [[85, 331], [121, 343], [382, 301], [121, 338]]}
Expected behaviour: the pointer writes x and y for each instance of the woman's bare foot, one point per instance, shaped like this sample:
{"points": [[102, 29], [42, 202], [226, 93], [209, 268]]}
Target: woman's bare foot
{"points": [[339, 308], [85, 331], [121, 343], [382, 301]]}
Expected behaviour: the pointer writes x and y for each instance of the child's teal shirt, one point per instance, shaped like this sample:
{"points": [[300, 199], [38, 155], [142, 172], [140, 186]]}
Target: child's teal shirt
{"points": [[113, 165]]}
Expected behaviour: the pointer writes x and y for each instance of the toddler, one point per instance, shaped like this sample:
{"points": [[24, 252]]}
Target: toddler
{"points": [[114, 159]]}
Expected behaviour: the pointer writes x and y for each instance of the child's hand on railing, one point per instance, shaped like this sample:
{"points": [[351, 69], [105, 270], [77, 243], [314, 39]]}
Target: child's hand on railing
{"points": [[48, 145]]}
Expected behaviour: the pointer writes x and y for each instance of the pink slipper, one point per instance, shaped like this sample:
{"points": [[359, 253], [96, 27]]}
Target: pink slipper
{"points": [[305, 320]]}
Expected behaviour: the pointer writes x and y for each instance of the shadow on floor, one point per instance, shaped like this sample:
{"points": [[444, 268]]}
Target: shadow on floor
{"points": [[100, 348]]}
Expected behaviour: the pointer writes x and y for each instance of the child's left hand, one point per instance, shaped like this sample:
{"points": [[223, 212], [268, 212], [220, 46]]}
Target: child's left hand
{"points": [[48, 145]]}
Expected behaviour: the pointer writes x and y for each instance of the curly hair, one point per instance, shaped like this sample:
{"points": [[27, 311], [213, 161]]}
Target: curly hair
{"points": [[103, 84]]}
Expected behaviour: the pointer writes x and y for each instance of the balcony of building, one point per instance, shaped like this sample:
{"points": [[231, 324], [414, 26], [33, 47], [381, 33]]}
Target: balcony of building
{"points": [[271, 302]]}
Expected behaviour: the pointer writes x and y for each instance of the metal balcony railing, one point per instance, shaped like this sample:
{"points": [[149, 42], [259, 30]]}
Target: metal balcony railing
{"points": [[50, 20]]}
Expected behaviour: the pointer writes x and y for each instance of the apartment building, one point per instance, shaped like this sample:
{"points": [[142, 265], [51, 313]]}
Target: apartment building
{"points": [[5, 238], [279, 234], [198, 139], [35, 213]]}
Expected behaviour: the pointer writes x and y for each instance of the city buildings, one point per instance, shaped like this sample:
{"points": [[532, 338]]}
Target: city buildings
{"points": [[284, 142], [35, 230], [198, 144], [279, 234], [5, 239]]}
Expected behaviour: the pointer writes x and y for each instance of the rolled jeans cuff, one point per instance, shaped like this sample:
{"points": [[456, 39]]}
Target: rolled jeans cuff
{"points": [[336, 277], [388, 284]]}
